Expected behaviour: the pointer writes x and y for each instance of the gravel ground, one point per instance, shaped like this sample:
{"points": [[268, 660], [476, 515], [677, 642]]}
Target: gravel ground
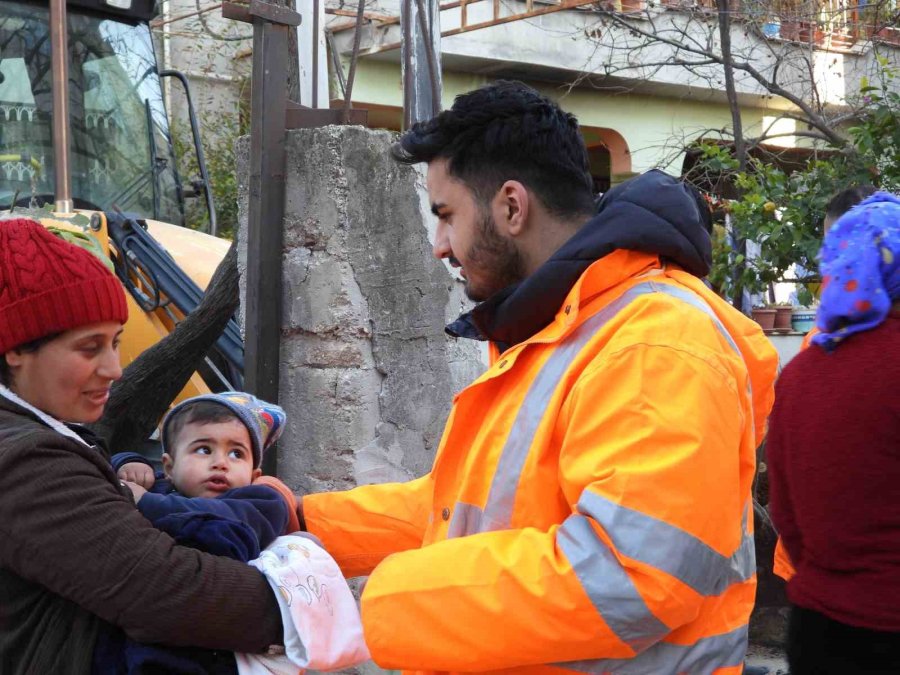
{"points": [[773, 659]]}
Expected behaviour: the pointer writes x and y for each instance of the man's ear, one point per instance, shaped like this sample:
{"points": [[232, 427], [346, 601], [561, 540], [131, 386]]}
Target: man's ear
{"points": [[167, 463], [256, 474], [511, 207]]}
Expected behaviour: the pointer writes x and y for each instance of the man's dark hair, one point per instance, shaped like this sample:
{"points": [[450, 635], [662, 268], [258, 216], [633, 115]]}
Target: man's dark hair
{"points": [[845, 200], [507, 131], [703, 209], [26, 348], [204, 412]]}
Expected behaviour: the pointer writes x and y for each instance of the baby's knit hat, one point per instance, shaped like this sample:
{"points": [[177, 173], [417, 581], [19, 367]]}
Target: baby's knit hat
{"points": [[48, 285], [265, 421]]}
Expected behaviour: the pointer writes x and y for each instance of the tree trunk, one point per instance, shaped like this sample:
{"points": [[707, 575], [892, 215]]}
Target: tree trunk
{"points": [[152, 381], [740, 148]]}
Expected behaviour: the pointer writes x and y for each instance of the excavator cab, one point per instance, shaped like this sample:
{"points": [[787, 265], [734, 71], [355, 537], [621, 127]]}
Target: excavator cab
{"points": [[123, 182], [120, 148]]}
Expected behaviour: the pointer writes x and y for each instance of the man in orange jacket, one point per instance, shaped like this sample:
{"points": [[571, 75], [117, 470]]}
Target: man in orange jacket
{"points": [[589, 506]]}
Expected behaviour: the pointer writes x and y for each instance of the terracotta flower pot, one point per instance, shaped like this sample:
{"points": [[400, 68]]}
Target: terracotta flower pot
{"points": [[765, 317], [790, 30], [783, 318]]}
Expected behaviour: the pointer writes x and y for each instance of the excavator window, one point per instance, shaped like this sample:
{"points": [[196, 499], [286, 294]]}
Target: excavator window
{"points": [[121, 149]]}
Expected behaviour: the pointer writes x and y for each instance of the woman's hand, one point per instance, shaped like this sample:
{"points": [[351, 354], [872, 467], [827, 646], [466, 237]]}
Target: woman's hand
{"points": [[137, 491], [137, 472]]}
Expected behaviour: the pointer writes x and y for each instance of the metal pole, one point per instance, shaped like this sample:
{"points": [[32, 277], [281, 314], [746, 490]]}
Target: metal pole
{"points": [[312, 56], [59, 50], [420, 57], [198, 147]]}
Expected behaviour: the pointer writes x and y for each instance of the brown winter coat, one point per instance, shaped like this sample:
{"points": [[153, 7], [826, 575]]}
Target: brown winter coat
{"points": [[74, 551]]}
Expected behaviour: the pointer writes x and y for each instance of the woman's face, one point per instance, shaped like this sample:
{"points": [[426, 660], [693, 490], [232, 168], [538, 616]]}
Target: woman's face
{"points": [[70, 376]]}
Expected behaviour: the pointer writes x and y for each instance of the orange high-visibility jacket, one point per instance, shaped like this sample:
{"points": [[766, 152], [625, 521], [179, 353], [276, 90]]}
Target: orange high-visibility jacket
{"points": [[589, 507], [781, 562]]}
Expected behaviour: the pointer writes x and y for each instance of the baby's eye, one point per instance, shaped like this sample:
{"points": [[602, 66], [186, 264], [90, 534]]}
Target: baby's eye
{"points": [[202, 450], [237, 454]]}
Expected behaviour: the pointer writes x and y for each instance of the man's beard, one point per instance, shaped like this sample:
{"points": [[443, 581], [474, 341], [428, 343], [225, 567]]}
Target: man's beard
{"points": [[496, 258]]}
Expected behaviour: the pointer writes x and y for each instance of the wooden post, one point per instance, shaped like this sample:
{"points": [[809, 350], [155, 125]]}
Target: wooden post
{"points": [[265, 227]]}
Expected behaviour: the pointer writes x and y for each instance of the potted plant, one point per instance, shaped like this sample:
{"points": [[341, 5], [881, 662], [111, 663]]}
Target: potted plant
{"points": [[783, 316], [764, 316], [787, 13], [771, 29], [803, 319]]}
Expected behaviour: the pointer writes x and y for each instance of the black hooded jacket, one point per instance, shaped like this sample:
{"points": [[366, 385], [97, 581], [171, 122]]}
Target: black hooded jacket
{"points": [[651, 213]]}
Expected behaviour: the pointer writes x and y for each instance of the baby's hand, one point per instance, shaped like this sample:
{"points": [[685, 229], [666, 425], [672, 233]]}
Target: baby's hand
{"points": [[137, 472], [137, 491]]}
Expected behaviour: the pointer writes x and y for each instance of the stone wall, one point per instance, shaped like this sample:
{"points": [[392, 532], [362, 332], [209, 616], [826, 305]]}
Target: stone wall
{"points": [[367, 372]]}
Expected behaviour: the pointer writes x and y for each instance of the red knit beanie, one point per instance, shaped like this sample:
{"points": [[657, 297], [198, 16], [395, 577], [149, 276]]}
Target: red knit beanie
{"points": [[48, 285]]}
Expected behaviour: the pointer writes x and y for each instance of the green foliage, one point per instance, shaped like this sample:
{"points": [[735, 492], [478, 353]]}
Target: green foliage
{"points": [[48, 210], [87, 241], [219, 133], [784, 212]]}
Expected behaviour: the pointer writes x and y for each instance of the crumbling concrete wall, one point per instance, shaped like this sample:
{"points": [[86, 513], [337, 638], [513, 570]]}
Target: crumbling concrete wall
{"points": [[367, 372]]}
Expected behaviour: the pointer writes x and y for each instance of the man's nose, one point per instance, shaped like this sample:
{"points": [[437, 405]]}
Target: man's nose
{"points": [[441, 248]]}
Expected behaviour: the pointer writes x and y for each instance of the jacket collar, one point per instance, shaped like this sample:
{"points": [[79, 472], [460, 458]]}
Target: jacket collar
{"points": [[48, 420], [652, 213]]}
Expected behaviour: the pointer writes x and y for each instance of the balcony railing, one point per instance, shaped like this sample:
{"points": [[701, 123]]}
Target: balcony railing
{"points": [[821, 23]]}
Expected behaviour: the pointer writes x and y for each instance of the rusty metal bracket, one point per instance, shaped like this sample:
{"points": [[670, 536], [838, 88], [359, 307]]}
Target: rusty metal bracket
{"points": [[301, 117], [257, 9]]}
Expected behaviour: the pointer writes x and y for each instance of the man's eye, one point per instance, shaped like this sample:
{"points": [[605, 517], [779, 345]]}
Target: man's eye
{"points": [[91, 348], [202, 450], [237, 454]]}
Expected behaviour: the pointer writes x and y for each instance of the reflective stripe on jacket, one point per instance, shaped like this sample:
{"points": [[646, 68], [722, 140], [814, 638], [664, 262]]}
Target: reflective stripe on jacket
{"points": [[589, 505]]}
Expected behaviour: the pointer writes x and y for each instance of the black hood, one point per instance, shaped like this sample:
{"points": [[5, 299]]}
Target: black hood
{"points": [[651, 213]]}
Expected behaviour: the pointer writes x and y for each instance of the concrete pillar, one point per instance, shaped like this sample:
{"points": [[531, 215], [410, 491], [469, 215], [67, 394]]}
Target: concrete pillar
{"points": [[367, 372]]}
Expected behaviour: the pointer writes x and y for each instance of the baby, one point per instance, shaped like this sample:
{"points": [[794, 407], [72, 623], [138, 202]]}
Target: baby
{"points": [[205, 498], [211, 496], [212, 448]]}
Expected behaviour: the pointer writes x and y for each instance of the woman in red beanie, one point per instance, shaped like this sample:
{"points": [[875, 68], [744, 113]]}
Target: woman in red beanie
{"points": [[74, 552]]}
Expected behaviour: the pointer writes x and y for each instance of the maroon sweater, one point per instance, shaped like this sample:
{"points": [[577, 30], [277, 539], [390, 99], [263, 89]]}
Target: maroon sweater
{"points": [[834, 460]]}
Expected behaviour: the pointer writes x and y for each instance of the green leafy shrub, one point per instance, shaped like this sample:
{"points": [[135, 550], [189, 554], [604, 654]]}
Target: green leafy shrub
{"points": [[783, 212], [218, 133]]}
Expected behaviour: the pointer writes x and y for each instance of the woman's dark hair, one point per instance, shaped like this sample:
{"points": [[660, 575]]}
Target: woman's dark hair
{"points": [[26, 348], [507, 131], [845, 200]]}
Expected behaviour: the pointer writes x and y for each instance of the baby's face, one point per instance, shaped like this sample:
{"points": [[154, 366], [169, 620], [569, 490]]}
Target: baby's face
{"points": [[211, 458]]}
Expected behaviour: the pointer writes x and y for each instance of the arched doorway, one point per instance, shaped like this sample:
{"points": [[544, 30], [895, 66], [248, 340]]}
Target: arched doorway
{"points": [[609, 157]]}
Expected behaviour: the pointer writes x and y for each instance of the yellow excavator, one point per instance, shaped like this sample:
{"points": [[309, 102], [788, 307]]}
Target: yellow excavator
{"points": [[85, 146]]}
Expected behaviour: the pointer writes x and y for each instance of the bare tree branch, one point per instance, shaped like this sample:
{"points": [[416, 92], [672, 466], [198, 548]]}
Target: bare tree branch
{"points": [[684, 40]]}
